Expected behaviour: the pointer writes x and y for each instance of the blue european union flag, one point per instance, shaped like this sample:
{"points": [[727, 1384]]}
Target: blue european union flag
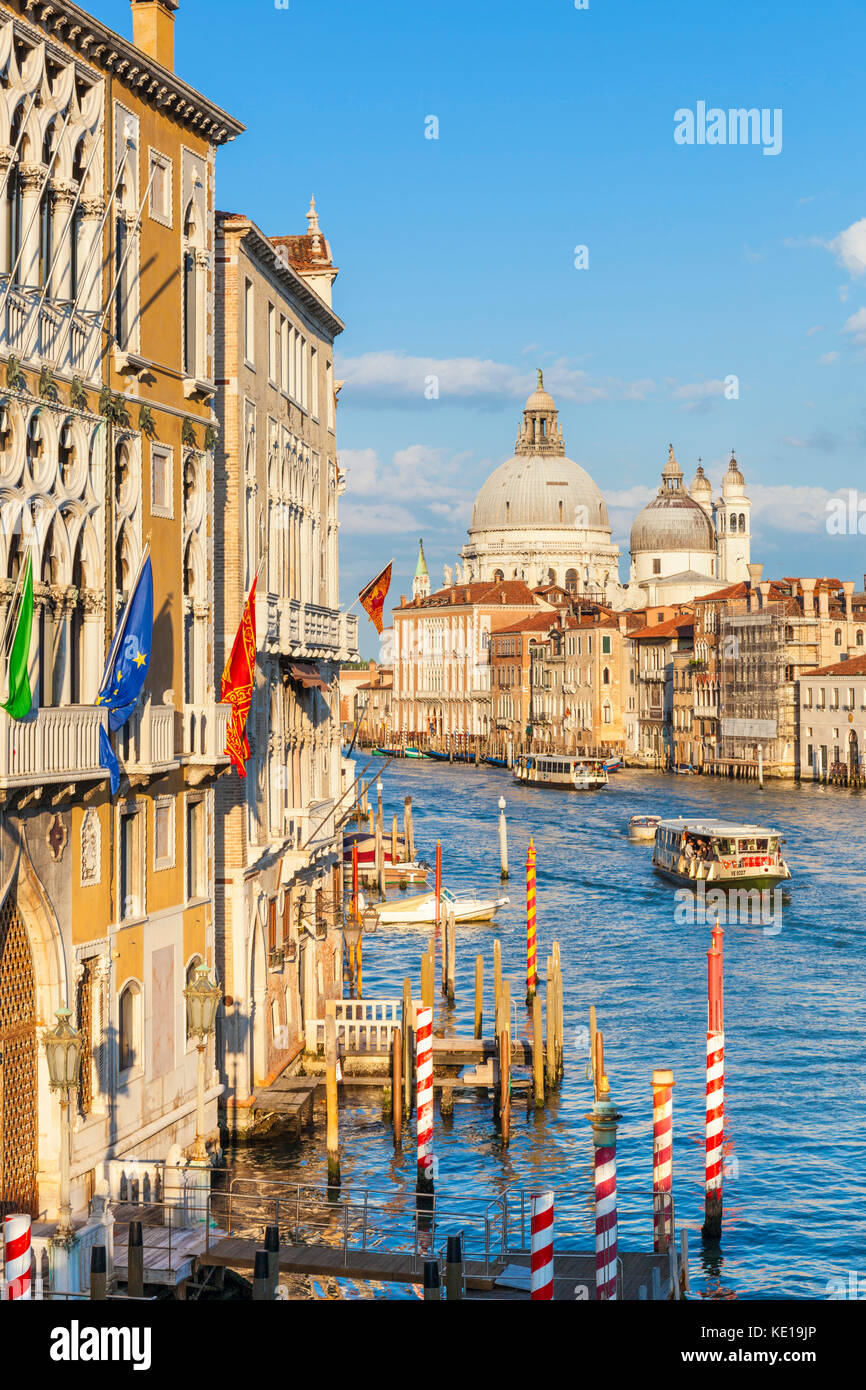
{"points": [[128, 662]]}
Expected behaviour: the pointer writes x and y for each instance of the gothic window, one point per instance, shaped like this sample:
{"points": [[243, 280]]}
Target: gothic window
{"points": [[837, 637], [859, 637], [733, 521], [742, 521], [128, 1043]]}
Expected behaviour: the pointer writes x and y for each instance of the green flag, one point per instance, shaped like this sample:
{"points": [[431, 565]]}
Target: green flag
{"points": [[20, 698]]}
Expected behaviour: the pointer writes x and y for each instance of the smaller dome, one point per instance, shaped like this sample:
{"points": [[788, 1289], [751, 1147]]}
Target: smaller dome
{"points": [[701, 487], [673, 521]]}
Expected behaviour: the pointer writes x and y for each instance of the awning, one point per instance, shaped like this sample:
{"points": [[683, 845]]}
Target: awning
{"points": [[306, 673]]}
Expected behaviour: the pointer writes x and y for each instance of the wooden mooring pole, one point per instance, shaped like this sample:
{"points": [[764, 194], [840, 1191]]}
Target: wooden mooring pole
{"points": [[715, 1116], [505, 1063], [550, 1020], [497, 980], [452, 955], [406, 1030], [408, 830], [479, 995], [537, 1054]]}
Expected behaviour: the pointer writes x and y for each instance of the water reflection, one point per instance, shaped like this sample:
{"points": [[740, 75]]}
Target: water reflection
{"points": [[794, 1019]]}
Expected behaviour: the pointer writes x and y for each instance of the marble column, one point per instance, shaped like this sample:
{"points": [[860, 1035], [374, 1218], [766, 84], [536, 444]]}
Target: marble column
{"points": [[89, 285], [62, 193], [31, 178], [5, 255]]}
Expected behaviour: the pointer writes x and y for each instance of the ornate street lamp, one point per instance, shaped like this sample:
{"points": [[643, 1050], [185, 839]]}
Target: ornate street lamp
{"points": [[202, 1001], [63, 1054]]}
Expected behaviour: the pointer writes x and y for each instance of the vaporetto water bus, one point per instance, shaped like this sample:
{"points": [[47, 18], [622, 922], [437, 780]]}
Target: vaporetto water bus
{"points": [[560, 770], [720, 853]]}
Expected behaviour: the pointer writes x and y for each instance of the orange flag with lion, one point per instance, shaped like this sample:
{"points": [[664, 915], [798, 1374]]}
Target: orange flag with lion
{"points": [[372, 598]]}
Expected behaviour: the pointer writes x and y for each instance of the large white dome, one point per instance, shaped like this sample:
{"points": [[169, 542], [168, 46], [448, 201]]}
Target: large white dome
{"points": [[539, 490]]}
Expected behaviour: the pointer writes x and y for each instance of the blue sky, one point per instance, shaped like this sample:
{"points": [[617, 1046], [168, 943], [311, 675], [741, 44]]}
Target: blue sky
{"points": [[457, 254]]}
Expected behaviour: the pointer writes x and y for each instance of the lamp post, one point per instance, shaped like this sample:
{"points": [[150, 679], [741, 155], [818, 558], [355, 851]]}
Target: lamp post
{"points": [[63, 1054], [202, 1001]]}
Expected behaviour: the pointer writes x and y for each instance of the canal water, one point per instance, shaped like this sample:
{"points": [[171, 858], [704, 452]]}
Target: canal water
{"points": [[794, 1021]]}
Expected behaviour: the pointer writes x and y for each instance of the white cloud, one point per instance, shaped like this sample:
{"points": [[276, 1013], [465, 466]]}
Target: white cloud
{"points": [[827, 357], [402, 379], [787, 507], [849, 248], [816, 328], [418, 486], [698, 395], [856, 325]]}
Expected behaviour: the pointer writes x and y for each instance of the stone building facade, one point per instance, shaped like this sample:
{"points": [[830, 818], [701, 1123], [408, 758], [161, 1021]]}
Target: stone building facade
{"points": [[278, 848], [106, 328]]}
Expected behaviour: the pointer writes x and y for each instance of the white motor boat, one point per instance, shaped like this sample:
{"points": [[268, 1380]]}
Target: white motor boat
{"points": [[421, 909], [642, 829]]}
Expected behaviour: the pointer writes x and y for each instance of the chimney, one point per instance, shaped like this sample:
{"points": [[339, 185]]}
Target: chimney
{"points": [[808, 587], [153, 29], [848, 591], [823, 603], [764, 591], [755, 572]]}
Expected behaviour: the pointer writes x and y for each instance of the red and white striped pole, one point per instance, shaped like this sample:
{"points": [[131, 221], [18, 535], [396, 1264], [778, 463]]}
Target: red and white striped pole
{"points": [[16, 1231], [663, 1131], [541, 1259], [604, 1116], [424, 1071], [715, 1131]]}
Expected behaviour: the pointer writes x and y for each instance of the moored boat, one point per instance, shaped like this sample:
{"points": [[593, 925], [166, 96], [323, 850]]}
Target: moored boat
{"points": [[613, 764], [719, 853], [560, 770], [366, 844], [642, 829], [421, 909]]}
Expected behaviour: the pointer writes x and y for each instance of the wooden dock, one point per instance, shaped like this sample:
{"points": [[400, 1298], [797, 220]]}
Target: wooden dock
{"points": [[574, 1271], [290, 1097]]}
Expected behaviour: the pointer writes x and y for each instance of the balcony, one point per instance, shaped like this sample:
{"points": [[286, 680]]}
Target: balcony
{"points": [[145, 745], [57, 745], [349, 637], [308, 630], [200, 736], [38, 335], [310, 831]]}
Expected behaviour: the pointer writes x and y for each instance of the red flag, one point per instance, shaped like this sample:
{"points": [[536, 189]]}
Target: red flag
{"points": [[372, 598], [237, 684]]}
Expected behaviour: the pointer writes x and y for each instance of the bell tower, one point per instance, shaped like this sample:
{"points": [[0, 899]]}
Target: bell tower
{"points": [[421, 582]]}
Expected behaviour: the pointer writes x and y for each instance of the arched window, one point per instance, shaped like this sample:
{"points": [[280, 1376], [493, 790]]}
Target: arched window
{"points": [[789, 633], [837, 637], [733, 521], [742, 521], [859, 638], [551, 574], [128, 1026], [498, 576], [571, 581], [605, 676]]}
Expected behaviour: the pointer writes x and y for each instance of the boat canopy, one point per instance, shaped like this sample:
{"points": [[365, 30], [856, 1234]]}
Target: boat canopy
{"points": [[710, 828]]}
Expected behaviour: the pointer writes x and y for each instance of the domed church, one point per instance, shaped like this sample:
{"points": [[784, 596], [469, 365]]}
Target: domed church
{"points": [[540, 517], [683, 544]]}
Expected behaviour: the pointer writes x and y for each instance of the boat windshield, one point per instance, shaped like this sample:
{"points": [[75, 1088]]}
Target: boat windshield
{"points": [[723, 845]]}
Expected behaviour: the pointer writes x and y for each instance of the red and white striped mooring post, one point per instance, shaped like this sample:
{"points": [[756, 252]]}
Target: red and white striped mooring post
{"points": [[16, 1232], [663, 1133], [712, 1228], [424, 1071], [604, 1116], [541, 1259]]}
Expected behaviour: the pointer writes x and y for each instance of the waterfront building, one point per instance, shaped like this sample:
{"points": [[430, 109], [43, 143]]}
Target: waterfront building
{"points": [[442, 672], [365, 703], [511, 652], [792, 625], [654, 648], [106, 429], [580, 680], [277, 848], [683, 740], [833, 721]]}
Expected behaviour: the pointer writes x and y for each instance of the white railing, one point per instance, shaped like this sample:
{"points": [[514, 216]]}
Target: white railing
{"points": [[363, 1025], [180, 1190], [34, 334], [321, 626], [55, 744], [147, 740], [203, 732]]}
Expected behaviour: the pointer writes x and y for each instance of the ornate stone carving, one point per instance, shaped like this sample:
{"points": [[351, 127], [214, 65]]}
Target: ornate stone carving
{"points": [[91, 849], [56, 838]]}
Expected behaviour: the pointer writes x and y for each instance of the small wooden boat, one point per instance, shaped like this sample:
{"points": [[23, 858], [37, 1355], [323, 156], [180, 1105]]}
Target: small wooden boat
{"points": [[439, 757], [613, 764], [719, 854], [413, 753], [642, 829], [421, 909], [400, 873], [560, 770]]}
